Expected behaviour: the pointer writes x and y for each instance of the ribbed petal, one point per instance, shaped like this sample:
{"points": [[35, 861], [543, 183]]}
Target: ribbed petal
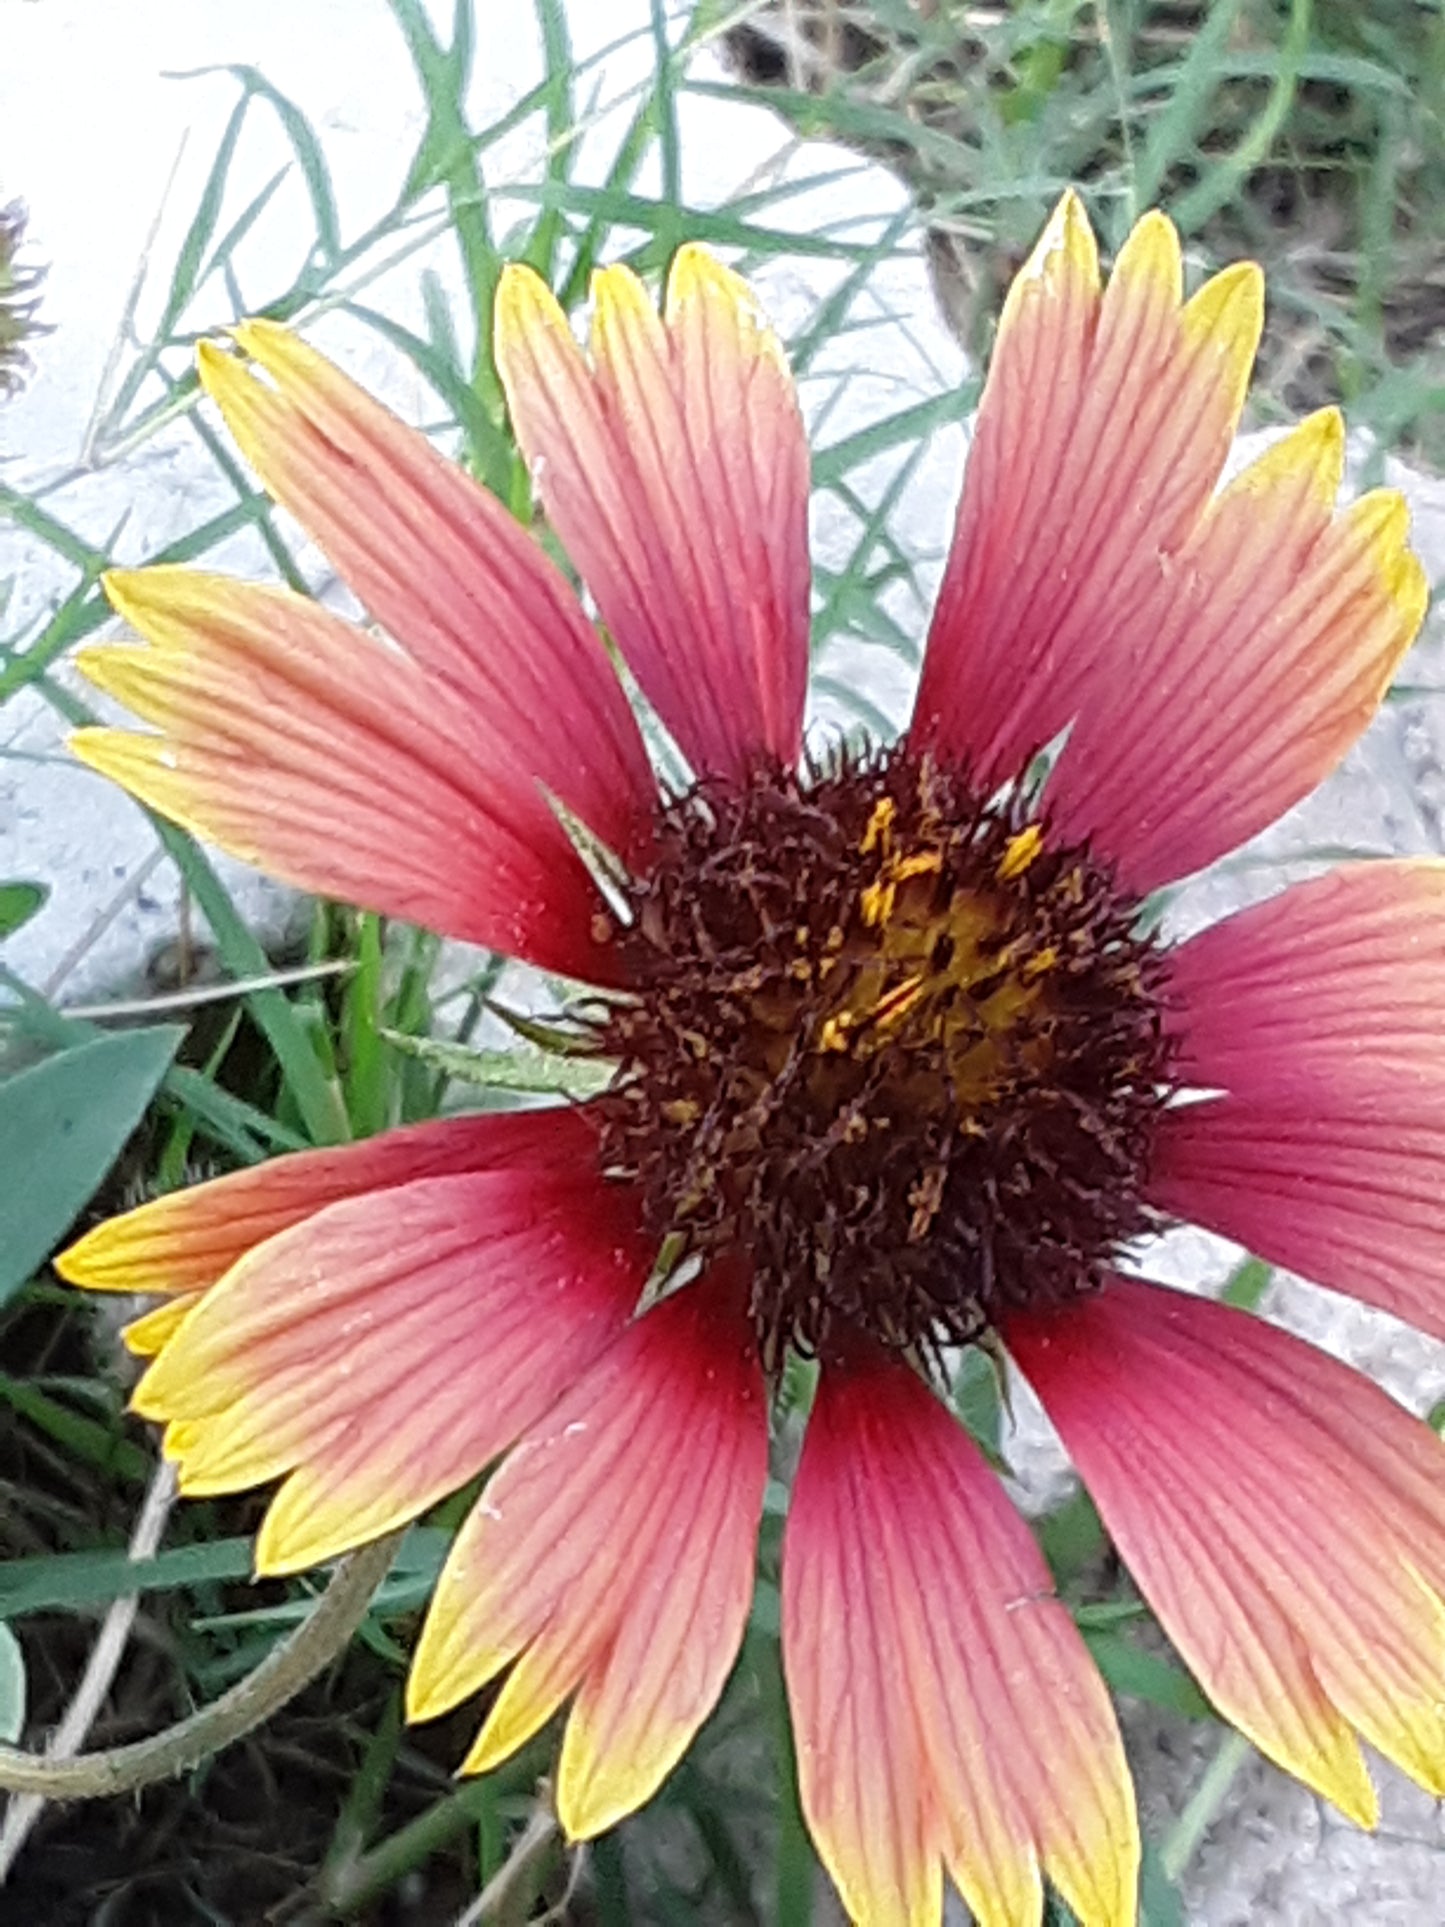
{"points": [[384, 1350], [1319, 1013], [945, 1709], [306, 747], [189, 1238], [149, 1334], [446, 571], [1282, 1515], [1104, 424], [675, 470], [1251, 665], [1212, 660], [612, 1555]]}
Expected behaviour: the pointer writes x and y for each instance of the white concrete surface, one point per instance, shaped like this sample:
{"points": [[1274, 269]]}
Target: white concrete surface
{"points": [[110, 154]]}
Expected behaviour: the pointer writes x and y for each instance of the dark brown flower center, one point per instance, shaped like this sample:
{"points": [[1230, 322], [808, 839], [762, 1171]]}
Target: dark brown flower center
{"points": [[889, 1041]]}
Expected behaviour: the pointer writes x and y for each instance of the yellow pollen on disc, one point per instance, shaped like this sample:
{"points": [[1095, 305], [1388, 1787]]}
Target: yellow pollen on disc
{"points": [[878, 834], [890, 1041], [1020, 853], [933, 969]]}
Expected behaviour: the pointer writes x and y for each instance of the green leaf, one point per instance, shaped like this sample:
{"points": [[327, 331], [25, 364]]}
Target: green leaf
{"points": [[63, 1123], [978, 1398], [317, 1094], [12, 1686], [1160, 1904], [100, 1446], [489, 450], [309, 156], [508, 1070], [1147, 1676], [1071, 1537], [833, 463], [1174, 131], [18, 904], [82, 1581]]}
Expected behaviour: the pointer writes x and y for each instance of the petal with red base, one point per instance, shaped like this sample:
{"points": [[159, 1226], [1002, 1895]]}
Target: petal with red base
{"points": [[382, 1351], [1103, 428], [306, 747], [1249, 667], [612, 1555], [1318, 1014], [1212, 660], [188, 1239], [446, 571], [1282, 1515], [944, 1706], [675, 470]]}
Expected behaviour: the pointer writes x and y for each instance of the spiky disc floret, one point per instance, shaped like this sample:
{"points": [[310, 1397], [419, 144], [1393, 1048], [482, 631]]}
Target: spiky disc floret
{"points": [[890, 1040]]}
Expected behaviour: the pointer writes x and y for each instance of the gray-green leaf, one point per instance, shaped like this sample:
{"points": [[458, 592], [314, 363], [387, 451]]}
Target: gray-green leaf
{"points": [[509, 1070], [63, 1123]]}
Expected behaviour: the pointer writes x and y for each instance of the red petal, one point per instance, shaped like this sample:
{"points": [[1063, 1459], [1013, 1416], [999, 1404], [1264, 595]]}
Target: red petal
{"points": [[1212, 660], [1283, 1516], [1252, 664], [308, 748], [385, 1349], [189, 1238], [613, 1554], [1102, 431], [945, 1708], [675, 470], [446, 571], [1319, 1013]]}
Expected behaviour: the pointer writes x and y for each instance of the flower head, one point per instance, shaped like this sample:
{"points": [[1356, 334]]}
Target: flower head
{"points": [[900, 1066]]}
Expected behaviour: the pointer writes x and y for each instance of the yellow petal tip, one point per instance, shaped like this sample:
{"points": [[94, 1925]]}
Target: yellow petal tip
{"points": [[588, 1807], [106, 751], [257, 335], [524, 310], [211, 359], [521, 294], [281, 1554], [224, 377], [695, 270], [1065, 250], [615, 291], [119, 585], [148, 1335], [77, 1264], [98, 666], [419, 1701], [1148, 266], [1229, 308]]}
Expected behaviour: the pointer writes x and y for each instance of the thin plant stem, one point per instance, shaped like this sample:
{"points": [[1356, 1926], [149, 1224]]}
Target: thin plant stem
{"points": [[286, 1669], [100, 1668], [1204, 1803], [348, 1886], [508, 1898]]}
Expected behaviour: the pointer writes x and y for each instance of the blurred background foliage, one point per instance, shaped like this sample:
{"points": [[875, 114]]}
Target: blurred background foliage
{"points": [[1309, 134]]}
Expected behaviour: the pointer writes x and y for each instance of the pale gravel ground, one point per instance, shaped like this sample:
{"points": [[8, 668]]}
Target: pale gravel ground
{"points": [[1275, 1855]]}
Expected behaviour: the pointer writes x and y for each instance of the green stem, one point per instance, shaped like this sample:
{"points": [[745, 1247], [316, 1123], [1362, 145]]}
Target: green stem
{"points": [[508, 1899], [1204, 1803], [347, 1888], [279, 1678]]}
